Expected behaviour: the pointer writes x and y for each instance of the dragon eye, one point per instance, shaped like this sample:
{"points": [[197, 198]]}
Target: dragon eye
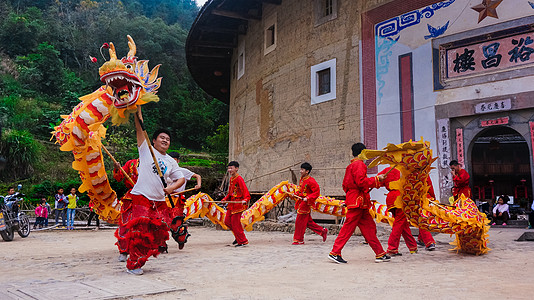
{"points": [[129, 66]]}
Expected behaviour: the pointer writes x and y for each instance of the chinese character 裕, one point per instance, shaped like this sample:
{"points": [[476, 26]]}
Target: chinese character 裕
{"points": [[492, 58], [464, 62], [521, 51]]}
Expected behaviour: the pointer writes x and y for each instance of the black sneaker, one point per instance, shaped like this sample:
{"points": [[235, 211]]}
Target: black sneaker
{"points": [[420, 243], [163, 249], [234, 242], [241, 245], [431, 247], [384, 258], [337, 258], [395, 254]]}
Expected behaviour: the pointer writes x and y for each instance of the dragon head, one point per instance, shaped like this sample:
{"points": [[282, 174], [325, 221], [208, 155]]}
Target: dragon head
{"points": [[129, 82]]}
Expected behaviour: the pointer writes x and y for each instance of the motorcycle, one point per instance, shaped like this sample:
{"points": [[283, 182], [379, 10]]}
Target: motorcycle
{"points": [[11, 218]]}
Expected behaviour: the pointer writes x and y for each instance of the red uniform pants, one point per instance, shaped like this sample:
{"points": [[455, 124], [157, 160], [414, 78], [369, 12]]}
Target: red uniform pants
{"points": [[400, 227], [426, 237], [358, 217], [147, 229], [233, 221], [305, 221]]}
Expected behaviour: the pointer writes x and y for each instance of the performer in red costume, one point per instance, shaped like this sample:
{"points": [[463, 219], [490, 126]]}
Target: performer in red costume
{"points": [[126, 205], [460, 179], [400, 225], [237, 192], [150, 216], [308, 191], [356, 185], [425, 237]]}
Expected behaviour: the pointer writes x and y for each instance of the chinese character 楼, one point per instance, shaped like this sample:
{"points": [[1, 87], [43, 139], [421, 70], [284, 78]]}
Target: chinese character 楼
{"points": [[521, 51], [465, 61], [492, 58]]}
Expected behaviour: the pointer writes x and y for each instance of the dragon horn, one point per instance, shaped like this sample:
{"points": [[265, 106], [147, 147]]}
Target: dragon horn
{"points": [[131, 45], [112, 54]]}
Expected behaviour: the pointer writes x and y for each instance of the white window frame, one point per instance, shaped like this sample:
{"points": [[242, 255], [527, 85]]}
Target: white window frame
{"points": [[241, 60], [314, 80], [269, 22]]}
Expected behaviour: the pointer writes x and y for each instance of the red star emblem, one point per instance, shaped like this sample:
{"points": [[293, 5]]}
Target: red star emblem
{"points": [[488, 8]]}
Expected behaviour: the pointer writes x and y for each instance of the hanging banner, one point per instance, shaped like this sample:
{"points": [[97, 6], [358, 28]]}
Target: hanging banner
{"points": [[460, 146], [444, 150]]}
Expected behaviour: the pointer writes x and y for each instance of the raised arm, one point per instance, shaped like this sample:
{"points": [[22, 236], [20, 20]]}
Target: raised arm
{"points": [[138, 128]]}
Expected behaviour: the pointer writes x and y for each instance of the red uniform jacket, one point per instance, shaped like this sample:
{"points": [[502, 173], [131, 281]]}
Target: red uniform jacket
{"points": [[393, 194], [431, 189], [461, 184], [309, 188], [131, 169], [357, 185], [237, 191]]}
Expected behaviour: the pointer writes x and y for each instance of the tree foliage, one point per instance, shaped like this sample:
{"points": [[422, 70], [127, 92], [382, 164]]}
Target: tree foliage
{"points": [[44, 67]]}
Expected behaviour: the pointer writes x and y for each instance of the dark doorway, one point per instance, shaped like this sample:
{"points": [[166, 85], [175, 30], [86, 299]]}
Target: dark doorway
{"points": [[501, 166]]}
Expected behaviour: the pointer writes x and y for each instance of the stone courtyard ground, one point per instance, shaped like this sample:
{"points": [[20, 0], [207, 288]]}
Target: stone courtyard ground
{"points": [[82, 264]]}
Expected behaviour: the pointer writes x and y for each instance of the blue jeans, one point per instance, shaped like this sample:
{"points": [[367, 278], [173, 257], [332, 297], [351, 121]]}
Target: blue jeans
{"points": [[61, 212], [70, 216]]}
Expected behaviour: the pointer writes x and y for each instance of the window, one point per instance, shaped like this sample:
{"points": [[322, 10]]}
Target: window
{"points": [[323, 81], [325, 10], [327, 7], [241, 60], [269, 34]]}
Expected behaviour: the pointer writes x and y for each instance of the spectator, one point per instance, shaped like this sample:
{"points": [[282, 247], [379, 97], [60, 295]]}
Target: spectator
{"points": [[41, 214], [71, 208], [49, 210], [501, 210], [61, 204]]}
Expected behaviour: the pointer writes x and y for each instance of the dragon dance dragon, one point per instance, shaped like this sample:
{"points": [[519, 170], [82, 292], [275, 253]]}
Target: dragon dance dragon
{"points": [[129, 82]]}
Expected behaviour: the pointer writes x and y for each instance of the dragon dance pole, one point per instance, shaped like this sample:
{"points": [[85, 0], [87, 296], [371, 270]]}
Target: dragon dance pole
{"points": [[122, 170], [147, 139], [185, 191]]}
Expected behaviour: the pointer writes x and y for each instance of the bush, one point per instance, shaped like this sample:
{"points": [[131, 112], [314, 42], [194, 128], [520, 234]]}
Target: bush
{"points": [[21, 152]]}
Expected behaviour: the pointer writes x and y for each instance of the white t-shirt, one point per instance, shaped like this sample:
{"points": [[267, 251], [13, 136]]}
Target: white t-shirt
{"points": [[187, 175], [148, 183], [500, 208]]}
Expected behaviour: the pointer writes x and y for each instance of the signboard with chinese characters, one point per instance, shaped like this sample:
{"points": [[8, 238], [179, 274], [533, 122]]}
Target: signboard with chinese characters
{"points": [[494, 55], [487, 107], [444, 150], [493, 122], [460, 146]]}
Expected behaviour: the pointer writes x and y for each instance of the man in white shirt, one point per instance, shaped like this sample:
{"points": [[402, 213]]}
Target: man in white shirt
{"points": [[151, 217]]}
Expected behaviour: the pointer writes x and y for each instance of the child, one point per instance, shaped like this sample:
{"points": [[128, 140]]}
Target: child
{"points": [[237, 192], [501, 210], [71, 208], [61, 204], [309, 191], [41, 213]]}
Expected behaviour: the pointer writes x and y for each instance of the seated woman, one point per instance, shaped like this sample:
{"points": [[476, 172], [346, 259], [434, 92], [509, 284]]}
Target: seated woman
{"points": [[500, 211]]}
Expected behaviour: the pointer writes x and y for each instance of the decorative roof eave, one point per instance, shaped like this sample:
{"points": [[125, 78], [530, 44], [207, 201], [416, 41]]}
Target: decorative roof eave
{"points": [[213, 38]]}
